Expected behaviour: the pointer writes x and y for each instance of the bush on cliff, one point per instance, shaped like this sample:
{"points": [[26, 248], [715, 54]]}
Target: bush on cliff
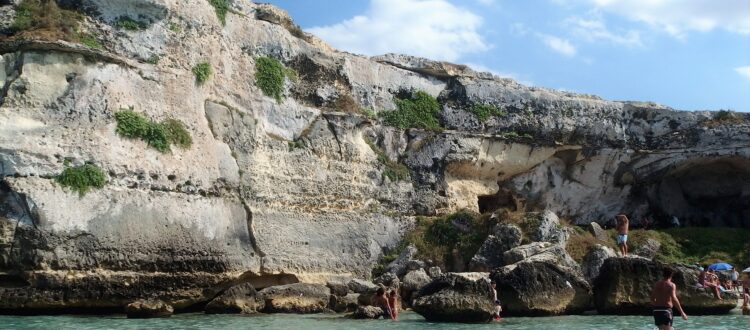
{"points": [[222, 8], [419, 111], [269, 76], [46, 15], [483, 112], [127, 23], [82, 178], [202, 71], [159, 136]]}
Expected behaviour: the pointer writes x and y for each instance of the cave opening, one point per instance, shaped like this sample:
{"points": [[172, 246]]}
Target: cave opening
{"points": [[504, 198], [704, 192]]}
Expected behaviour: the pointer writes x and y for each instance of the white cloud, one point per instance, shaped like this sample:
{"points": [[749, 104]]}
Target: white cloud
{"points": [[594, 28], [743, 70], [430, 28], [562, 46], [678, 17]]}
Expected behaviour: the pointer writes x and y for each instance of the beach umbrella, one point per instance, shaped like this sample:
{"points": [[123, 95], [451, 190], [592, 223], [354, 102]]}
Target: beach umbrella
{"points": [[720, 266], [747, 270]]}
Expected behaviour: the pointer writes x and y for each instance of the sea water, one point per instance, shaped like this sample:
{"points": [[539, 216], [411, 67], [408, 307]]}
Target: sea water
{"points": [[407, 321]]}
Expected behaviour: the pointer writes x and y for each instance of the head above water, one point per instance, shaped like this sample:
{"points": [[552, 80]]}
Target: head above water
{"points": [[667, 273]]}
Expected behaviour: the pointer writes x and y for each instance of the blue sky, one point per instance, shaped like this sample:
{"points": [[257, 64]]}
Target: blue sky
{"points": [[687, 54]]}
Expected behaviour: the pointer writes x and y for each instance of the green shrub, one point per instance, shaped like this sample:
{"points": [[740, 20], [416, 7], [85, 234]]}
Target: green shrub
{"points": [[82, 178], [88, 40], [221, 7], [47, 15], [154, 60], [296, 144], [202, 72], [394, 171], [269, 77], [174, 27], [157, 135], [369, 113], [486, 111], [421, 111], [176, 133], [127, 23]]}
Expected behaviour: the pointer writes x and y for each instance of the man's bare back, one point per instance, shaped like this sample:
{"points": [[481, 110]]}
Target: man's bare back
{"points": [[662, 294], [663, 298]]}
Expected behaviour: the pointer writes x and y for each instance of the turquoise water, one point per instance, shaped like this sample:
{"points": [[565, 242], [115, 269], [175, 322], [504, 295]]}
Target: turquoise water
{"points": [[407, 320]]}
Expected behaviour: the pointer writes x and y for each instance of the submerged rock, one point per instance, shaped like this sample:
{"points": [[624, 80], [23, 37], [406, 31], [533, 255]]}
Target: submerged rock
{"points": [[454, 298], [239, 299], [144, 309], [368, 312], [624, 287], [301, 298]]}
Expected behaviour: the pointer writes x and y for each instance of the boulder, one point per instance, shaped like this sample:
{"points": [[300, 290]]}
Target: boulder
{"points": [[454, 298], [296, 298], [414, 265], [399, 266], [598, 232], [368, 312], [434, 271], [361, 286], [490, 255], [144, 309], [594, 260], [549, 229], [624, 287], [524, 251], [540, 286], [413, 282], [648, 249], [239, 299], [344, 304], [338, 288], [389, 280]]}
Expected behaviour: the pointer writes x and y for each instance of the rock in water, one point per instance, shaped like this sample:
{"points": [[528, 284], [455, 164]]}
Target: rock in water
{"points": [[344, 304], [454, 298], [490, 255], [368, 312], [594, 260], [414, 281], [299, 298], [532, 288], [338, 288], [361, 286], [239, 299], [144, 309], [624, 287]]}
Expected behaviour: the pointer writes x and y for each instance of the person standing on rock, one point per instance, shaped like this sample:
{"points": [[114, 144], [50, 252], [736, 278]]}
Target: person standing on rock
{"points": [[663, 298], [493, 294], [393, 302], [623, 225]]}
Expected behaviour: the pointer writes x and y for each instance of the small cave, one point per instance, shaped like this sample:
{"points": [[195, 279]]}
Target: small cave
{"points": [[504, 198], [704, 192]]}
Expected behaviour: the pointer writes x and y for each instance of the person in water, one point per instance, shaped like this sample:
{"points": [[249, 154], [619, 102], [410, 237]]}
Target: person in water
{"points": [[623, 226], [663, 298], [380, 300], [393, 303], [746, 302], [493, 294]]}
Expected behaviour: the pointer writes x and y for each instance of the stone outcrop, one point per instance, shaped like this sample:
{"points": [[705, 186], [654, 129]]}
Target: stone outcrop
{"points": [[367, 312], [293, 189], [490, 255], [594, 259], [598, 232], [300, 298], [414, 281], [344, 304], [624, 287], [144, 309], [648, 249], [452, 297], [239, 299]]}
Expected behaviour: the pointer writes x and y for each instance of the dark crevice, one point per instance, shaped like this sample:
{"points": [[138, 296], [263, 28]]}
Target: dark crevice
{"points": [[332, 128]]}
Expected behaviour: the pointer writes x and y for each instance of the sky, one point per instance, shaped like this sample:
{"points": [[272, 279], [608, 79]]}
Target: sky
{"points": [[686, 54]]}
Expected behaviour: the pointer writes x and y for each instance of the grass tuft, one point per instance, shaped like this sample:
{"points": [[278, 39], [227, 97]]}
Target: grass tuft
{"points": [[222, 8], [177, 134], [202, 72], [159, 136], [269, 76], [127, 23], [82, 178], [420, 111], [486, 111]]}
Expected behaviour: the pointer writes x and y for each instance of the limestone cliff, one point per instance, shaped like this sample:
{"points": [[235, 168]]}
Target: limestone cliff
{"points": [[280, 191]]}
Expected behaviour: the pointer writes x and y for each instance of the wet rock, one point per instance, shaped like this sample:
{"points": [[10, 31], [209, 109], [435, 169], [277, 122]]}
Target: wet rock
{"points": [[413, 282], [648, 249], [598, 232], [624, 287], [144, 309], [454, 298], [594, 260], [299, 298], [368, 312], [490, 255], [239, 299], [344, 304]]}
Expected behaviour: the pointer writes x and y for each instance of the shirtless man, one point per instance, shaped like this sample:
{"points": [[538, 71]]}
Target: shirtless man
{"points": [[622, 233], [380, 300], [746, 302], [498, 307], [663, 298]]}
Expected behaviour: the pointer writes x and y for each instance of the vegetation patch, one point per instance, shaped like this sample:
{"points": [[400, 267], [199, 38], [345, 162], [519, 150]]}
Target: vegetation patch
{"points": [[82, 178], [515, 136], [202, 71], [154, 59], [722, 117], [419, 111], [127, 23], [269, 76], [369, 113], [46, 17], [394, 171], [159, 136], [174, 27], [486, 111], [88, 40], [222, 8], [296, 144]]}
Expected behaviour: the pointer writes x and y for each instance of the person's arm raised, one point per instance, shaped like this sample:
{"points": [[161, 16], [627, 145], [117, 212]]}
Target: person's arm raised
{"points": [[676, 302]]}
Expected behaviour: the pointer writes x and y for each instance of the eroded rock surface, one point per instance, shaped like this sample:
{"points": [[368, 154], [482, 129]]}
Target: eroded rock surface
{"points": [[239, 299], [452, 297], [299, 298], [145, 309]]}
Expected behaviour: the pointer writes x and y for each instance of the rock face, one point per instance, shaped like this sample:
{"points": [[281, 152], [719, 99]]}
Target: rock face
{"points": [[594, 260], [144, 309], [490, 255], [624, 287], [301, 298], [345, 304], [454, 298], [239, 299], [295, 188]]}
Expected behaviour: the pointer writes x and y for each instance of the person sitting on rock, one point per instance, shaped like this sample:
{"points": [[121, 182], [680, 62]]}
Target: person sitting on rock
{"points": [[663, 298], [746, 302], [712, 283], [498, 307], [622, 233], [393, 302], [380, 300]]}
